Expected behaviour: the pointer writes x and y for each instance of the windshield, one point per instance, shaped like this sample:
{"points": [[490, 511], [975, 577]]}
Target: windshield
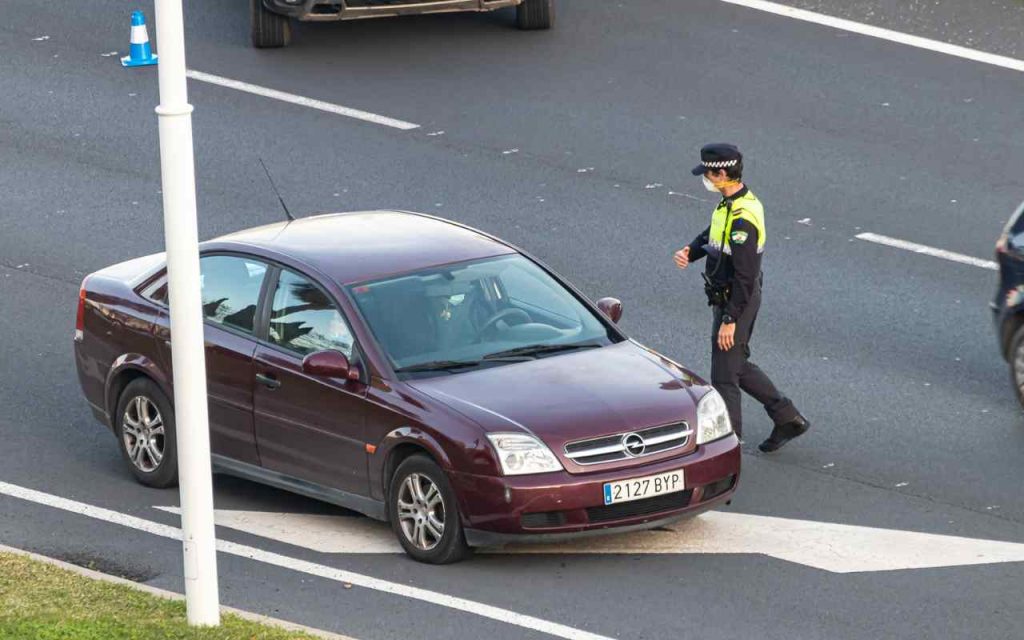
{"points": [[452, 318]]}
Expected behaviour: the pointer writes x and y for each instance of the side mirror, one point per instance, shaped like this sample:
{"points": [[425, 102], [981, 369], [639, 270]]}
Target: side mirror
{"points": [[330, 364], [611, 307]]}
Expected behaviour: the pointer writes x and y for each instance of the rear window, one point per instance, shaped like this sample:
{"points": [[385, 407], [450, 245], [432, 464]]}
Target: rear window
{"points": [[156, 291]]}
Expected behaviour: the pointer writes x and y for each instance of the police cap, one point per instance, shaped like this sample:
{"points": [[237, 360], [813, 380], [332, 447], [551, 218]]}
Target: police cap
{"points": [[717, 156]]}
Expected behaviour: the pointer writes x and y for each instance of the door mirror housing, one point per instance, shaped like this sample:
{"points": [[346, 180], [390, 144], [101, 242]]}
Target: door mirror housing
{"points": [[330, 364], [611, 307]]}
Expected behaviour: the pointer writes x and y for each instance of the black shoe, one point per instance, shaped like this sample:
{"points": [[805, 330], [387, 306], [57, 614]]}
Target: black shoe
{"points": [[783, 433]]}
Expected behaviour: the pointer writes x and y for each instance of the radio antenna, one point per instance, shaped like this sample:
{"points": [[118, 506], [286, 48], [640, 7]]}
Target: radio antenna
{"points": [[273, 186]]}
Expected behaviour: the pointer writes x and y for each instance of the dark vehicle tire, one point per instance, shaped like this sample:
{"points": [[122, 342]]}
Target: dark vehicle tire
{"points": [[269, 30], [145, 432], [426, 519], [1016, 358], [535, 14]]}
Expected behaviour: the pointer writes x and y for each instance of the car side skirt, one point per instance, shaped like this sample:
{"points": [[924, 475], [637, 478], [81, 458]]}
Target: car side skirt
{"points": [[375, 509]]}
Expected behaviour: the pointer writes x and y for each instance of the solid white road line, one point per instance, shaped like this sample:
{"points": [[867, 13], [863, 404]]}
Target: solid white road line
{"points": [[310, 568], [930, 251], [883, 34], [302, 101], [838, 548]]}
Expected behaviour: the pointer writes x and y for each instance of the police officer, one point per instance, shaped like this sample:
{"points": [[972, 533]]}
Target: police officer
{"points": [[733, 245]]}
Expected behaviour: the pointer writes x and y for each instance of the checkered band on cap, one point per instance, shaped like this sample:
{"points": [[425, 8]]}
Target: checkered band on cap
{"points": [[720, 165]]}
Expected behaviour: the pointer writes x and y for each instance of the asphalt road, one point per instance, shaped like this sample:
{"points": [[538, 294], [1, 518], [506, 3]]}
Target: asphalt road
{"points": [[891, 354]]}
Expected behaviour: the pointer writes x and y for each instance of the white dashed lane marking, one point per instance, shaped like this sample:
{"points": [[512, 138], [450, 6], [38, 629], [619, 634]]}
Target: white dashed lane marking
{"points": [[301, 101], [928, 251], [882, 34]]}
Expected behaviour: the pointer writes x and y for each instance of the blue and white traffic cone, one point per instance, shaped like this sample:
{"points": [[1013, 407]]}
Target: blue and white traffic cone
{"points": [[140, 54]]}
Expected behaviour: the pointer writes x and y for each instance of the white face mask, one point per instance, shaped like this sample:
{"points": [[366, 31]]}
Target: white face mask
{"points": [[710, 186]]}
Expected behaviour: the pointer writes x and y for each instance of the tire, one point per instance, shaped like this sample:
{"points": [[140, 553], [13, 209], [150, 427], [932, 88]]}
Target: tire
{"points": [[535, 14], [269, 30], [143, 410], [1016, 358], [451, 545]]}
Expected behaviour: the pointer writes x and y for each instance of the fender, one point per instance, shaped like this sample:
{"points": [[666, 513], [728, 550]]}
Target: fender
{"points": [[378, 466], [131, 362], [402, 435]]}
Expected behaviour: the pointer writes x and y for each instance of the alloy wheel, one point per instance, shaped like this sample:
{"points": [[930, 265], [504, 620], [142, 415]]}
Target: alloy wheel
{"points": [[421, 511], [142, 429]]}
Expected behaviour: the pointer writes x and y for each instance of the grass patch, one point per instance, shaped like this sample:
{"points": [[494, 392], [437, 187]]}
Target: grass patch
{"points": [[39, 601]]}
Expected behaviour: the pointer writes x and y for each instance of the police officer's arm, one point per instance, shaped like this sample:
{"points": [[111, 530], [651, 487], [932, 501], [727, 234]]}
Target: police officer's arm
{"points": [[746, 264], [697, 246]]}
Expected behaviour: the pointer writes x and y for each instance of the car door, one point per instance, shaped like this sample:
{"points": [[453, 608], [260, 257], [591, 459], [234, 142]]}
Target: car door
{"points": [[231, 286], [308, 426]]}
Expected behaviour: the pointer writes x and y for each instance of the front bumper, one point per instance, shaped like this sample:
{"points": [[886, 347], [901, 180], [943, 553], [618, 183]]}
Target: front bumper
{"points": [[331, 10], [556, 506]]}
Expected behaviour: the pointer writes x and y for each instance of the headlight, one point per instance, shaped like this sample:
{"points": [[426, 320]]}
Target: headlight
{"points": [[521, 454], [712, 418]]}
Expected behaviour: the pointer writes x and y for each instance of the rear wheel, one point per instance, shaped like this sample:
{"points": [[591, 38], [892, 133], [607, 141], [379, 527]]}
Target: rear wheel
{"points": [[1016, 357], [535, 14], [145, 431], [269, 29], [424, 513]]}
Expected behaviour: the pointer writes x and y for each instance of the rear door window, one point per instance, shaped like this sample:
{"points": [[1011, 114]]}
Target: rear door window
{"points": [[231, 290]]}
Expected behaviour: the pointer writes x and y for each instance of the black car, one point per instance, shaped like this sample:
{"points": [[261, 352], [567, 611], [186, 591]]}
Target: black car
{"points": [[271, 19], [1008, 307]]}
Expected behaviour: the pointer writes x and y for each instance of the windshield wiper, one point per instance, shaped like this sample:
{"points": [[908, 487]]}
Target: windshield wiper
{"points": [[539, 349], [439, 365]]}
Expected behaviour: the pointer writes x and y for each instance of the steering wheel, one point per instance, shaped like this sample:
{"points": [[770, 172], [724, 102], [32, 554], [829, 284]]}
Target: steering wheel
{"points": [[501, 315]]}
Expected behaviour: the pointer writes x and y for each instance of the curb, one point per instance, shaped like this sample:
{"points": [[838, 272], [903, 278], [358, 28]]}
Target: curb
{"points": [[171, 595]]}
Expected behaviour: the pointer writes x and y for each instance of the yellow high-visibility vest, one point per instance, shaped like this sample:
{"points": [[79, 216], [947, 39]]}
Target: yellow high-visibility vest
{"points": [[747, 207]]}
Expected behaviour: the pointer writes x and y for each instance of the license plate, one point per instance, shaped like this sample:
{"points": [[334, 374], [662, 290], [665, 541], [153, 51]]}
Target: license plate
{"points": [[646, 487]]}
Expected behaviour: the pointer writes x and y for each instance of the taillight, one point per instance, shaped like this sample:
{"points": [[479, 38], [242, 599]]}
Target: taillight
{"points": [[1001, 243], [80, 318]]}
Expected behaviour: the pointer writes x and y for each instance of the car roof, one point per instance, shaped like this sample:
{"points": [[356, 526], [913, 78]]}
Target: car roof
{"points": [[366, 245]]}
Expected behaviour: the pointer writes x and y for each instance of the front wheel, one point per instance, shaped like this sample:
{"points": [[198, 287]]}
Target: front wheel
{"points": [[535, 14], [424, 513], [269, 30]]}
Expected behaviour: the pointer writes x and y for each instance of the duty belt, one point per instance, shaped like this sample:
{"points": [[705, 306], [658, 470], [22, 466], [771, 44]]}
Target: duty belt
{"points": [[718, 294]]}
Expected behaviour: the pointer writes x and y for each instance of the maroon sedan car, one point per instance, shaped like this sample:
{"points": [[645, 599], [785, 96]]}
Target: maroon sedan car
{"points": [[416, 371]]}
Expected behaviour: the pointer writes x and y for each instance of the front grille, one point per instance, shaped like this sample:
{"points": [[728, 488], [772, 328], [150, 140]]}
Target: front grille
{"points": [[612, 448], [543, 520], [718, 487], [657, 504]]}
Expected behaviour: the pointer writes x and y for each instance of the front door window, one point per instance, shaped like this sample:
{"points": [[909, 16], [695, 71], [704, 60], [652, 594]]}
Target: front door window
{"points": [[304, 320]]}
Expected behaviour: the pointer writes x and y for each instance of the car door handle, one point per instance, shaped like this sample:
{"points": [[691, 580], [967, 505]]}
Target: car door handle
{"points": [[268, 381]]}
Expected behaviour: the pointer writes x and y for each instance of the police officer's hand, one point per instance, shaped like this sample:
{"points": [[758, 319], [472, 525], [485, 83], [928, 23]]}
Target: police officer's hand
{"points": [[727, 336], [682, 258]]}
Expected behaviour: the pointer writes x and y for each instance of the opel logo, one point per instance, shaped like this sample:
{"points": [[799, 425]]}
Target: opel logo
{"points": [[634, 444]]}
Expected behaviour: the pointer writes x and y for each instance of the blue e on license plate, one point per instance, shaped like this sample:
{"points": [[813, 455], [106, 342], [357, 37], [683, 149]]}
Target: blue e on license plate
{"points": [[646, 487]]}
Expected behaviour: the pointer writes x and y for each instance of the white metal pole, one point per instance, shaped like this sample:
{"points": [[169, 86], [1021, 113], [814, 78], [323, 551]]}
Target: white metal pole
{"points": [[177, 172]]}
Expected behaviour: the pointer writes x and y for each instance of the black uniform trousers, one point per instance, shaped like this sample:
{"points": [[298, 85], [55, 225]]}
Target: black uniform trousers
{"points": [[732, 371]]}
